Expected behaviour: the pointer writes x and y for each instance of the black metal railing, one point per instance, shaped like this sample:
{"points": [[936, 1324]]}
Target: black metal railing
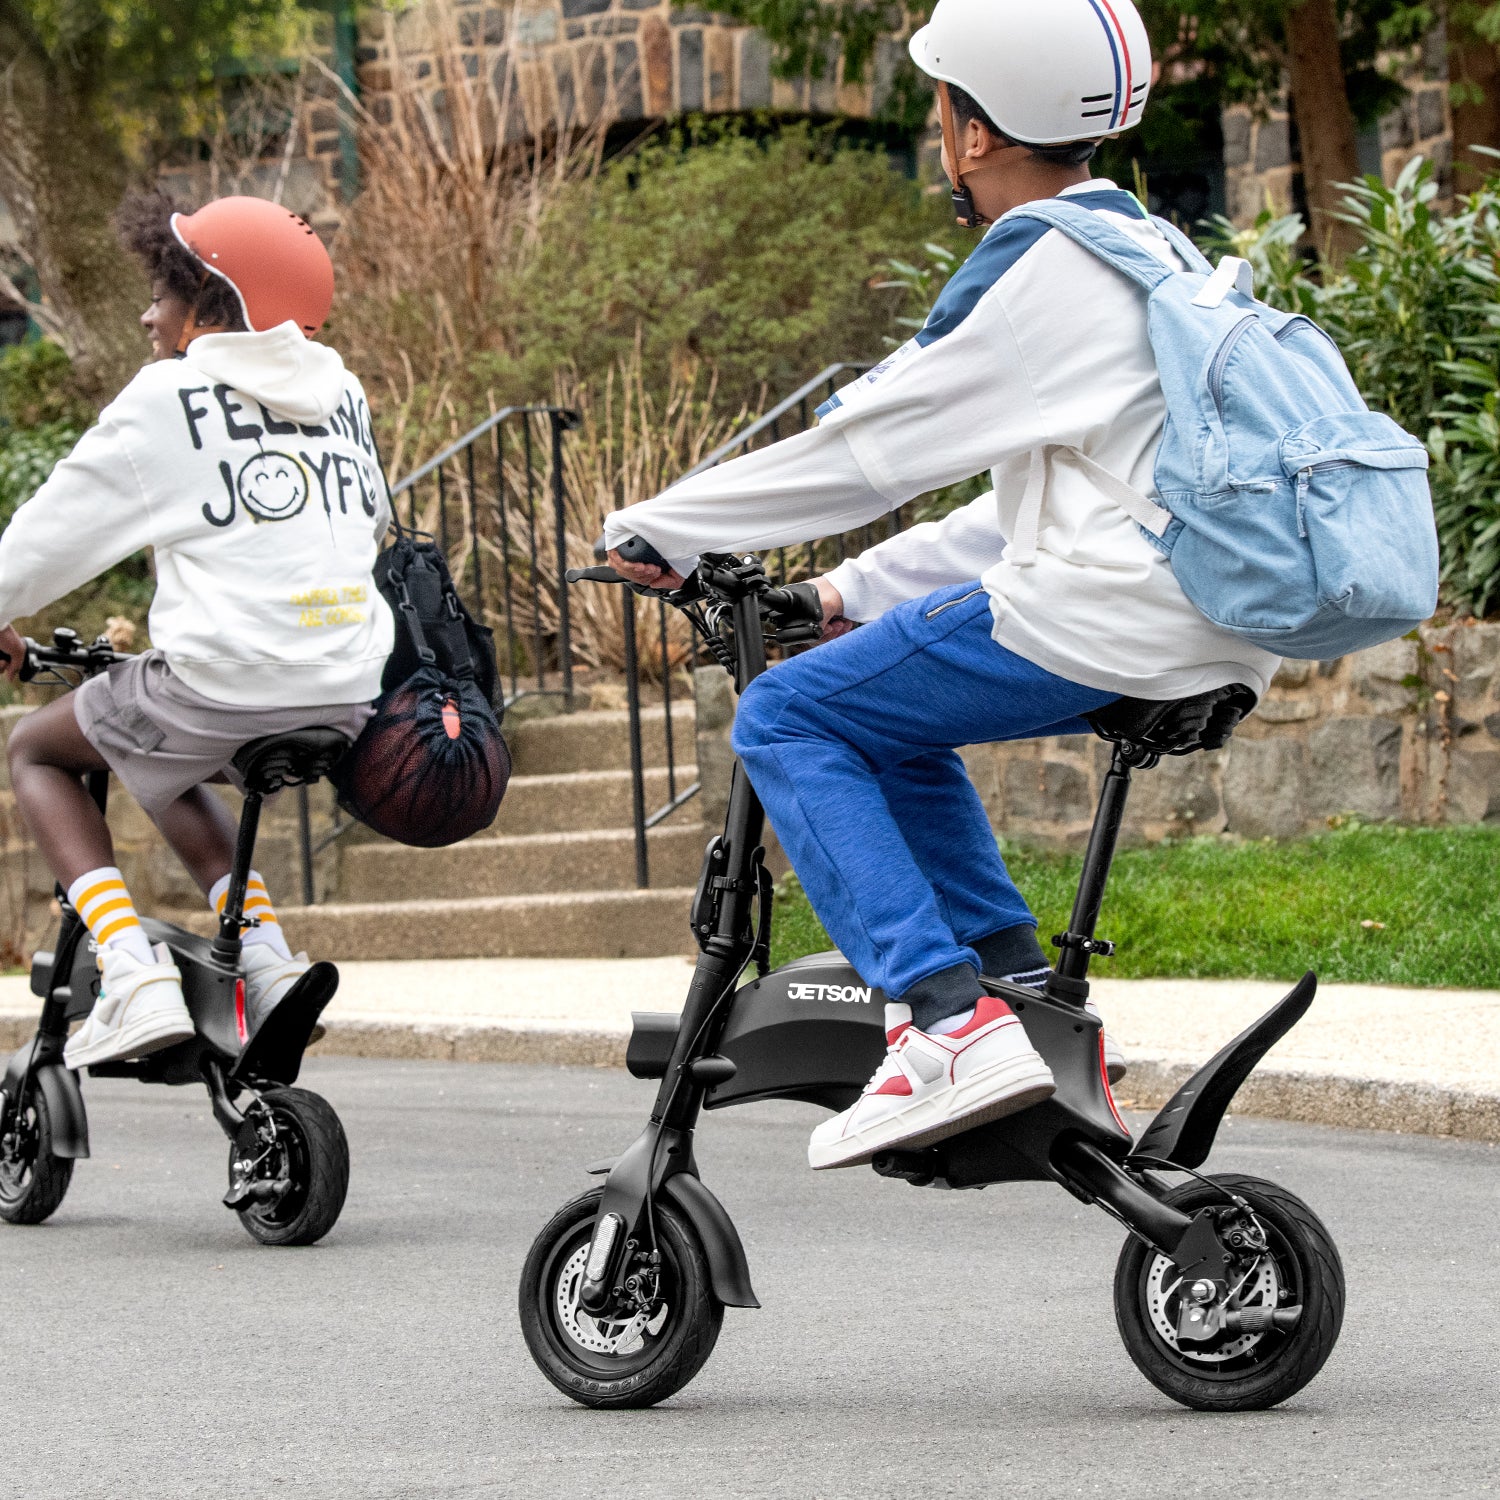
{"points": [[792, 415], [496, 501]]}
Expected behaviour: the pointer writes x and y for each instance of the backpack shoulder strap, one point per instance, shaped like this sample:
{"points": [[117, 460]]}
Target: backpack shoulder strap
{"points": [[1111, 244]]}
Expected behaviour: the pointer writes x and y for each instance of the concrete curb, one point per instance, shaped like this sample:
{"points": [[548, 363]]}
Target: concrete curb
{"points": [[1407, 1108]]}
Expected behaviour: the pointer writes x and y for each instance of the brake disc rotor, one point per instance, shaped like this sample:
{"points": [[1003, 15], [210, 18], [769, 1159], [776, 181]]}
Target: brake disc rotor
{"points": [[1261, 1288], [615, 1336]]}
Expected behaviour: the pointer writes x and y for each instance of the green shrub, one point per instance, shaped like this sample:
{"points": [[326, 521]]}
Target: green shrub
{"points": [[754, 257], [38, 388], [27, 455]]}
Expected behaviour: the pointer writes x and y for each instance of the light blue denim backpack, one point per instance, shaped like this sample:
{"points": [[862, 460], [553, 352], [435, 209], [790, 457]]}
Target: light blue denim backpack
{"points": [[1294, 516]]}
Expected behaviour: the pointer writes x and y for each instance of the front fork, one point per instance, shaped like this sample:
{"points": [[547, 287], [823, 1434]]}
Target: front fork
{"points": [[732, 883]]}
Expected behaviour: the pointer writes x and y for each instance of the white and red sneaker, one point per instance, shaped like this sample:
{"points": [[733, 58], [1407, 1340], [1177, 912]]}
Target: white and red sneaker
{"points": [[930, 1087]]}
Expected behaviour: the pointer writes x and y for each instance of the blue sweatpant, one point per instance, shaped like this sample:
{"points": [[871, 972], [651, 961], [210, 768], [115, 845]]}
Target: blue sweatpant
{"points": [[851, 747]]}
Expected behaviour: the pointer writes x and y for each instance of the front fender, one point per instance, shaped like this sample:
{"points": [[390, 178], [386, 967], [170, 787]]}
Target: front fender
{"points": [[70, 1123], [728, 1269], [63, 1097]]}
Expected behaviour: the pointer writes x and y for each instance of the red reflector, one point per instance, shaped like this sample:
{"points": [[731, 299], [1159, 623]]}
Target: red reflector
{"points": [[451, 722], [239, 1011]]}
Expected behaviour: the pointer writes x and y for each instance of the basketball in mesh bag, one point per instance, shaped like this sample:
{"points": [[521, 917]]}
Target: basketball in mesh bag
{"points": [[431, 766]]}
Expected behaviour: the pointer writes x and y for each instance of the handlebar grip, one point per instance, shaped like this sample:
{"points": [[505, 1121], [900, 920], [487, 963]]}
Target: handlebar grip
{"points": [[636, 549]]}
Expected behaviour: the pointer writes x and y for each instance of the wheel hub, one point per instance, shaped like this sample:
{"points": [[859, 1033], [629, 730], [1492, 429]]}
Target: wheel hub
{"points": [[18, 1148], [606, 1335], [1259, 1286]]}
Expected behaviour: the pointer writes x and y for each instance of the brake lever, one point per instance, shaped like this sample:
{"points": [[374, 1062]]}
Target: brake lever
{"points": [[690, 592]]}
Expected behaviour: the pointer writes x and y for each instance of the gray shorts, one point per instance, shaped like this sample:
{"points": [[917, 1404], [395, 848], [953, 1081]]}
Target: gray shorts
{"points": [[161, 738]]}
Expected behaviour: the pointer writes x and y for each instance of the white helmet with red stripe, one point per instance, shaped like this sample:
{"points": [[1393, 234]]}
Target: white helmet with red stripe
{"points": [[1047, 72]]}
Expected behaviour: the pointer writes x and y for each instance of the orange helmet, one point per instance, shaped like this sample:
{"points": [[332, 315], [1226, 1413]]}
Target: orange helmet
{"points": [[272, 258]]}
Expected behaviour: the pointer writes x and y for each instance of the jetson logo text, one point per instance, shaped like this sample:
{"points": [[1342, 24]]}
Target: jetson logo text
{"points": [[849, 994]]}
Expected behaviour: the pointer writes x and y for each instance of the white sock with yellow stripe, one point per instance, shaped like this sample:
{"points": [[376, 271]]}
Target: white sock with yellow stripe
{"points": [[101, 899], [257, 904]]}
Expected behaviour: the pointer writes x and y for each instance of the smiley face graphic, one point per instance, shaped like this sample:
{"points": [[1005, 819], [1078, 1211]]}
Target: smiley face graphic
{"points": [[273, 487]]}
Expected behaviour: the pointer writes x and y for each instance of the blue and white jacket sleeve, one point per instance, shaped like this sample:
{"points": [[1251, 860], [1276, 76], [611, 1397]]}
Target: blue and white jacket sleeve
{"points": [[953, 408]]}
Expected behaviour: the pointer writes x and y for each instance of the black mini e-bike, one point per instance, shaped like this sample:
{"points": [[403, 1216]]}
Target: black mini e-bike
{"points": [[288, 1157], [1229, 1292]]}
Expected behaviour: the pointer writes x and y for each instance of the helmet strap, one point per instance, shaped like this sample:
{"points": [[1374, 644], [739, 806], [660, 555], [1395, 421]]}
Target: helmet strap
{"points": [[960, 167], [963, 200], [191, 328]]}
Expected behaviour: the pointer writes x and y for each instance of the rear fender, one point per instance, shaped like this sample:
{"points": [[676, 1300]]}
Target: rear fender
{"points": [[1183, 1131], [728, 1269]]}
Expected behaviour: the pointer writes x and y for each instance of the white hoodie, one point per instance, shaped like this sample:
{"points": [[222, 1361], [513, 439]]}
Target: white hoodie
{"points": [[250, 467]]}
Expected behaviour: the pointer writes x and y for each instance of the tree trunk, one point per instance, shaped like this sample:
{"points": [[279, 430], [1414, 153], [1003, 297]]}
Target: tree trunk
{"points": [[63, 173], [1325, 121], [1474, 66]]}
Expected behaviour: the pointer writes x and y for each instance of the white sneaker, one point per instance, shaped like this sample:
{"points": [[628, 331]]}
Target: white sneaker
{"points": [[930, 1087], [269, 979], [140, 1009], [1115, 1066]]}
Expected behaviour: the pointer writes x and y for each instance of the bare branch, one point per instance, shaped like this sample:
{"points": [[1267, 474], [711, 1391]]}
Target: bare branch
{"points": [[40, 314]]}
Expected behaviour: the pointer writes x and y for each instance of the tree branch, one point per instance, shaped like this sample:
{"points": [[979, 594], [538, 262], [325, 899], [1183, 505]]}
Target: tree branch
{"points": [[43, 316]]}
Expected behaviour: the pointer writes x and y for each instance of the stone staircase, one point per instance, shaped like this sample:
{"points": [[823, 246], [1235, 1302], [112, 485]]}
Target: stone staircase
{"points": [[554, 878]]}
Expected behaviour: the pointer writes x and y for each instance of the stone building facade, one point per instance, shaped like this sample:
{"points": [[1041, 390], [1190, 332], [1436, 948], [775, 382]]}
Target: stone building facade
{"points": [[1260, 164]]}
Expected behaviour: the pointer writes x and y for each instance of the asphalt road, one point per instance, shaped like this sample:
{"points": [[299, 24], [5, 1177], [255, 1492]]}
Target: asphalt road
{"points": [[911, 1344]]}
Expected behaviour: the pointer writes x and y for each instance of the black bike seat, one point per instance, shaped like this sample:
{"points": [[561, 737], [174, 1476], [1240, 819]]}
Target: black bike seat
{"points": [[1178, 726], [266, 765]]}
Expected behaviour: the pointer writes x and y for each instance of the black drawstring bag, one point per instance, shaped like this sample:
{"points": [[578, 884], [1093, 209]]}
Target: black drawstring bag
{"points": [[431, 766]]}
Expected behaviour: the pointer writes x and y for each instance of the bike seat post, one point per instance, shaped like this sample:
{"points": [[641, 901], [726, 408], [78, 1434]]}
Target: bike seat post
{"points": [[226, 946], [1072, 966]]}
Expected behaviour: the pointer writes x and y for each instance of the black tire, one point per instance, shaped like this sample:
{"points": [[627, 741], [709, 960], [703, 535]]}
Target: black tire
{"points": [[32, 1180], [306, 1157], [675, 1338], [1301, 1266]]}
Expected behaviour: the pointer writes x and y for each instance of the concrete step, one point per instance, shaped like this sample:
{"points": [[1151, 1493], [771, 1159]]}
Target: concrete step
{"points": [[599, 740], [579, 801], [531, 864], [595, 924]]}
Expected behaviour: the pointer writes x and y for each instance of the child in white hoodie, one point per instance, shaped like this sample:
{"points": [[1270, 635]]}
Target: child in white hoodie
{"points": [[243, 456]]}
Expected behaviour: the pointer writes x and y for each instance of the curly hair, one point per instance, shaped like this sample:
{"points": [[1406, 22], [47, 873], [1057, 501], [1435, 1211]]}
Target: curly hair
{"points": [[145, 226]]}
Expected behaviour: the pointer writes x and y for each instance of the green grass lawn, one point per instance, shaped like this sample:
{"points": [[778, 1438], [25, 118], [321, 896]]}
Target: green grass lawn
{"points": [[1214, 908]]}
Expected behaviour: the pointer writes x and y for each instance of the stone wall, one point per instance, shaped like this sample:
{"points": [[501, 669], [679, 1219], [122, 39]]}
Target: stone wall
{"points": [[549, 67], [1408, 732], [1259, 164]]}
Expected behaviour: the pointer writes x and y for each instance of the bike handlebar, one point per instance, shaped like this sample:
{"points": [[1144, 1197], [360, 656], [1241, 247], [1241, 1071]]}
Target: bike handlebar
{"points": [[790, 615], [68, 652]]}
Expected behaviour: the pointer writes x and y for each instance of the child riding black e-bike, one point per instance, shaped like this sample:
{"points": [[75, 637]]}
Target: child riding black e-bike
{"points": [[1229, 1292], [288, 1157]]}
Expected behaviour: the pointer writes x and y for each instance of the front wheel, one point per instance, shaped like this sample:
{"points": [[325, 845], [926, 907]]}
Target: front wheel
{"points": [[657, 1337], [32, 1180], [1281, 1258], [288, 1168]]}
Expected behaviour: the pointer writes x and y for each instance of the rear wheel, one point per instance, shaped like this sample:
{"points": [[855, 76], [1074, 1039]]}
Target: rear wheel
{"points": [[657, 1337], [289, 1168], [1281, 1258], [32, 1180]]}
